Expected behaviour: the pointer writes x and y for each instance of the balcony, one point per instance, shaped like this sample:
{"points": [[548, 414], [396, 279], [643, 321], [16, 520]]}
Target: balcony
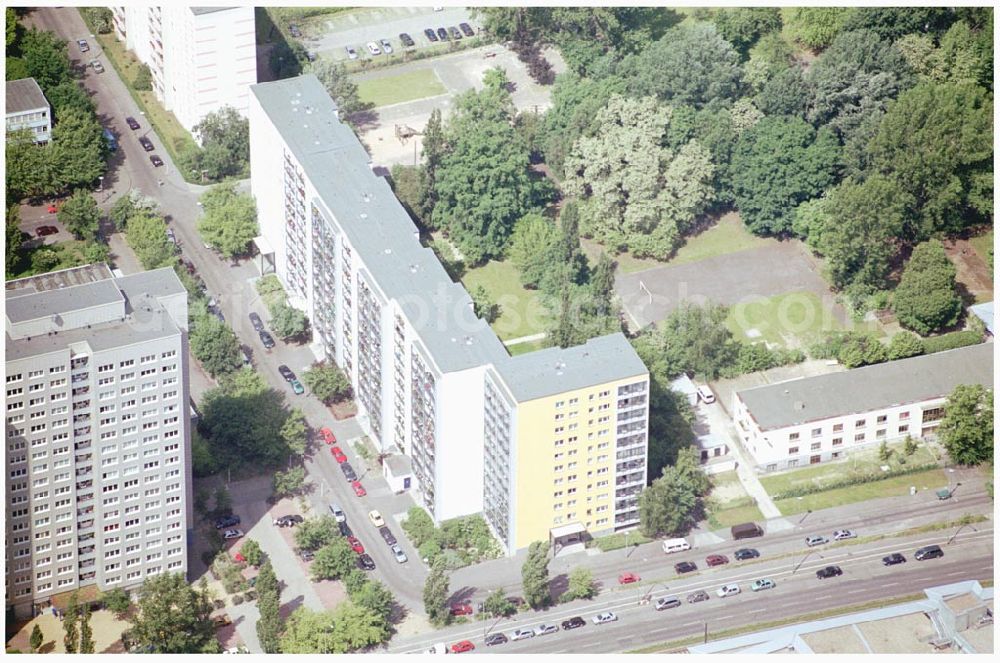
{"points": [[83, 485], [85, 524], [80, 446], [87, 576]]}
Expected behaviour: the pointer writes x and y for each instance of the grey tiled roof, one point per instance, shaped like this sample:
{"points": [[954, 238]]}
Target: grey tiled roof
{"points": [[869, 388], [24, 95]]}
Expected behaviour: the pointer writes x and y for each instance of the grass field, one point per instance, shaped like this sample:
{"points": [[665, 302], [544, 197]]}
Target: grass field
{"points": [[983, 244], [387, 90], [729, 503], [521, 311], [791, 319], [526, 347], [893, 486]]}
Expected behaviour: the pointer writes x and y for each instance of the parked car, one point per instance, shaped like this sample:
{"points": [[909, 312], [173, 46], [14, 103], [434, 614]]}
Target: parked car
{"points": [[627, 578], [266, 339], [829, 572], [573, 622], [52, 208], [288, 521], [761, 584], [172, 236], [258, 324], [297, 388], [522, 634], [84, 46], [155, 160], [442, 34], [928, 552], [386, 46], [348, 471], [546, 629], [373, 48], [454, 33], [398, 553], [746, 553], [893, 559], [286, 372], [727, 590], [467, 29], [226, 521], [221, 620], [351, 53], [365, 562], [605, 618], [98, 67], [816, 540], [345, 529], [387, 536], [43, 231], [359, 490], [146, 144], [356, 545], [842, 534], [307, 555], [407, 42], [232, 534], [495, 639], [716, 560], [461, 608], [338, 513], [685, 567], [325, 432], [430, 34], [667, 602], [698, 597], [462, 647], [338, 454], [132, 123], [376, 518]]}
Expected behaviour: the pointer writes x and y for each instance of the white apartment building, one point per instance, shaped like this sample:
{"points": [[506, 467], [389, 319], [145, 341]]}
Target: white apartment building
{"points": [[27, 108], [811, 420], [98, 453], [201, 58], [432, 381]]}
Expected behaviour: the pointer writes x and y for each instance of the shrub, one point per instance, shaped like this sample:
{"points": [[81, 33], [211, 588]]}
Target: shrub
{"points": [[143, 80], [951, 341]]}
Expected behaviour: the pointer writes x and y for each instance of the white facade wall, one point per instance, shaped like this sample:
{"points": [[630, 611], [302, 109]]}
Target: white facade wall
{"points": [[265, 181], [459, 469], [832, 438]]}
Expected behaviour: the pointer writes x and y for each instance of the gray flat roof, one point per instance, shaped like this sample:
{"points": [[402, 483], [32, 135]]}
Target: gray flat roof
{"points": [[27, 305], [198, 11], [384, 236], [869, 388], [24, 95], [160, 282]]}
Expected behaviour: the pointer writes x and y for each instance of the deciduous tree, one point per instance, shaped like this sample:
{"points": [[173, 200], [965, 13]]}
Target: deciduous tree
{"points": [[224, 135], [288, 483], [925, 300], [315, 533], [213, 343], [743, 26], [535, 575], [77, 149], [816, 27], [966, 429], [581, 584], [288, 321], [669, 506], [269, 624], [327, 382], [36, 639], [229, 222], [147, 235], [905, 344], [339, 85], [529, 248], [436, 594], [173, 617]]}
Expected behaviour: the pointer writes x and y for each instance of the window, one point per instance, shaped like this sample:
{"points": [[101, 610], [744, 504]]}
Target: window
{"points": [[792, 451], [837, 441], [933, 414], [881, 419], [904, 428], [792, 437], [903, 416], [860, 423], [860, 437], [815, 446], [880, 433], [816, 432]]}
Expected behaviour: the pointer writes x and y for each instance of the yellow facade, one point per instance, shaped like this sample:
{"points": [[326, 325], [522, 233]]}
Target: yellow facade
{"points": [[565, 462]]}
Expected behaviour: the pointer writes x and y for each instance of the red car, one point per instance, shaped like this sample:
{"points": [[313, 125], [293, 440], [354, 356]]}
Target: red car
{"points": [[463, 646], [338, 454], [628, 578], [716, 560], [328, 435], [459, 609], [359, 490], [53, 208], [356, 545]]}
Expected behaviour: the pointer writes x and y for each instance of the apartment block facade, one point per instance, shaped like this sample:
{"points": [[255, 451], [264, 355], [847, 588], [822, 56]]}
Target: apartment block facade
{"points": [[812, 420], [27, 108], [482, 431], [201, 58], [97, 458]]}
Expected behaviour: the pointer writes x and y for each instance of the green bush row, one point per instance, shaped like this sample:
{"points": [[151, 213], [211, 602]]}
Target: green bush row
{"points": [[951, 341], [853, 480]]}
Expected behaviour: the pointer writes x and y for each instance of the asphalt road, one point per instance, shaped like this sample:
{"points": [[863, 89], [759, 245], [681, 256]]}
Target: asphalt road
{"points": [[797, 592]]}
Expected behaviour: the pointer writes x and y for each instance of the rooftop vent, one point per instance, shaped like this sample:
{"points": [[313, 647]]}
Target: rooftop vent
{"points": [[388, 251], [413, 268], [468, 340], [799, 405], [367, 197], [364, 215]]}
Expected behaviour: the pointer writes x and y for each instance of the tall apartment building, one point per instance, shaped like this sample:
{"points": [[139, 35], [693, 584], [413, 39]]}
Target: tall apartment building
{"points": [[27, 108], [201, 58], [811, 420], [546, 445], [98, 459]]}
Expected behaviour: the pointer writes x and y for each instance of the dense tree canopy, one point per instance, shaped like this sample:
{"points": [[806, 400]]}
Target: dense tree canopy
{"points": [[967, 427], [80, 215], [340, 86], [213, 343], [672, 503], [224, 135], [147, 236], [535, 575], [743, 26], [172, 617], [815, 27], [229, 222], [926, 300]]}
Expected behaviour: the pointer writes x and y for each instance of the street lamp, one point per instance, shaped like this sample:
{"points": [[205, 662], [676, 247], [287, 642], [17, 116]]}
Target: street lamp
{"points": [[101, 179]]}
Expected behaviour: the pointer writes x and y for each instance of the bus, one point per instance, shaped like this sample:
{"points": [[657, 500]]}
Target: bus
{"points": [[110, 137]]}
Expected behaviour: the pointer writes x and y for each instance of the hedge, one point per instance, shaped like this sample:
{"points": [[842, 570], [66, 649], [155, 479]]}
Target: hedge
{"points": [[952, 340]]}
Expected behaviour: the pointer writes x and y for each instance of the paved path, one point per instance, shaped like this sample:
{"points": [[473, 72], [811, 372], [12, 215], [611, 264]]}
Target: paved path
{"points": [[526, 339]]}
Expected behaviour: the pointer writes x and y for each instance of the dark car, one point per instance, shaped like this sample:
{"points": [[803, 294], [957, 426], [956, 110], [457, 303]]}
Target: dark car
{"points": [[155, 160], [266, 339], [366, 563], [698, 597], [430, 35], [716, 560], [467, 29], [132, 124], [42, 231], [685, 567], [746, 553], [286, 373], [146, 144], [407, 41], [288, 521], [344, 529], [928, 552], [893, 559], [226, 521], [572, 623], [258, 324], [387, 535], [348, 471], [442, 34], [829, 572], [307, 555], [495, 639], [454, 33]]}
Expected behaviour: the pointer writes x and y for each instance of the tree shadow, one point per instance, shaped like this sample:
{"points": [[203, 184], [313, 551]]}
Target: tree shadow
{"points": [[48, 647], [558, 586], [462, 595], [364, 119]]}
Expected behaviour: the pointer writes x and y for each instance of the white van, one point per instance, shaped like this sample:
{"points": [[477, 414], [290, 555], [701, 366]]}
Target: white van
{"points": [[439, 648], [675, 545], [705, 394]]}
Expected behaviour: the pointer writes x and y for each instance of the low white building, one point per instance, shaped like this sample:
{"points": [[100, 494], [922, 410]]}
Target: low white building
{"points": [[201, 58], [811, 420], [27, 108], [683, 385]]}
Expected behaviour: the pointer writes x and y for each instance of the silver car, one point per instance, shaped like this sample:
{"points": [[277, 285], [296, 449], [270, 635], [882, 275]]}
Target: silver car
{"points": [[816, 540], [842, 534], [522, 634], [386, 46], [546, 629], [351, 53], [398, 552]]}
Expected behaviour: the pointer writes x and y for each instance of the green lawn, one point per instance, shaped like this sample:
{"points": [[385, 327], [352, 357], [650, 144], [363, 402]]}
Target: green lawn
{"points": [[521, 311], [893, 486], [983, 244], [729, 503], [526, 347], [791, 319], [387, 90]]}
